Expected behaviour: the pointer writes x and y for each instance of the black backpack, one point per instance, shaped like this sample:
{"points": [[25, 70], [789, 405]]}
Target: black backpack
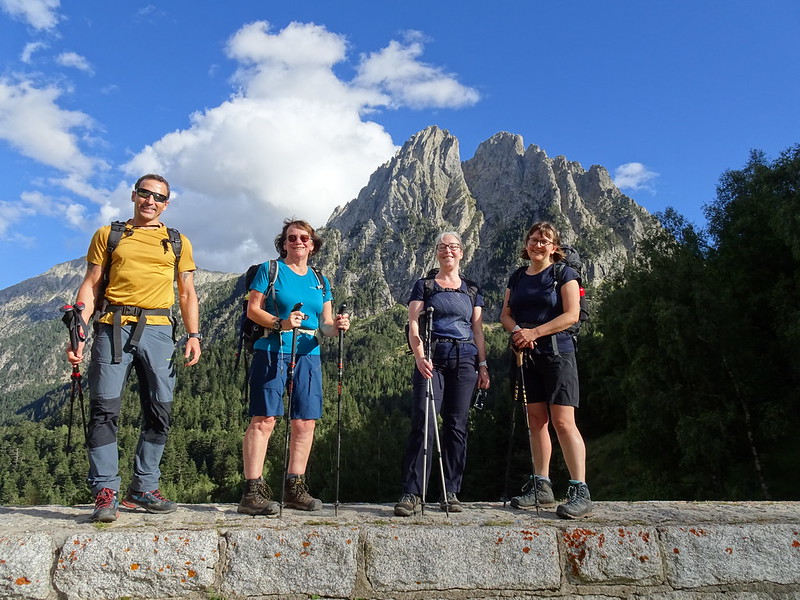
{"points": [[571, 259], [114, 236], [429, 288], [249, 330]]}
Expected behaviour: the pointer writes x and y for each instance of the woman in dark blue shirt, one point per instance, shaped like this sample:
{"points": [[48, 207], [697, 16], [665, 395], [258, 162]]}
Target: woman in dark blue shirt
{"points": [[458, 361], [537, 311]]}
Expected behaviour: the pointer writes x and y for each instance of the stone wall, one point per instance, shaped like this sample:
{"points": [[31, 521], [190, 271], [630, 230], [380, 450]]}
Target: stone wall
{"points": [[662, 550]]}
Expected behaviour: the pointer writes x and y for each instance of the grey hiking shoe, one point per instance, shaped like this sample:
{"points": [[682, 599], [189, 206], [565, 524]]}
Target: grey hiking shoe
{"points": [[295, 494], [536, 487], [152, 502], [453, 504], [407, 505], [106, 506], [257, 499], [578, 504]]}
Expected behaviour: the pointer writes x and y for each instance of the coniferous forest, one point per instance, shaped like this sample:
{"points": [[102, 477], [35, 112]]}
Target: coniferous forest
{"points": [[689, 383]]}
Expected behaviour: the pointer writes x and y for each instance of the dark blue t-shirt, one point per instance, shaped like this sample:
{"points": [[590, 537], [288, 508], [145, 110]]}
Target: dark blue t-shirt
{"points": [[452, 317], [533, 300]]}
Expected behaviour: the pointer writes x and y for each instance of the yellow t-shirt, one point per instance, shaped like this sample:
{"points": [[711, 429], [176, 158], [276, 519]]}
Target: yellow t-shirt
{"points": [[142, 269]]}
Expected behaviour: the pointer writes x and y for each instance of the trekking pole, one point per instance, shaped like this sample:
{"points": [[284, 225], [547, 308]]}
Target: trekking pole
{"points": [[506, 495], [77, 328], [430, 403], [520, 354], [290, 390], [340, 364]]}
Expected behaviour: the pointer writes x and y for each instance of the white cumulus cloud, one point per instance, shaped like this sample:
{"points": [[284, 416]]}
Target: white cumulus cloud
{"points": [[634, 176], [32, 122], [290, 142], [71, 59], [397, 71], [40, 14], [29, 49]]}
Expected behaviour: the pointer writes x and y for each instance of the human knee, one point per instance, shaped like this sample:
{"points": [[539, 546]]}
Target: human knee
{"points": [[261, 425]]}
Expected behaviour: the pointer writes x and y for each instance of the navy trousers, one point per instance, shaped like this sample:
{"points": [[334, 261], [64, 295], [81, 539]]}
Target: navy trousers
{"points": [[453, 383]]}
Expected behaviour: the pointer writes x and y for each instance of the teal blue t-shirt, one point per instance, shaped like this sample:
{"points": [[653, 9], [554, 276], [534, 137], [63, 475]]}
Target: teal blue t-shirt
{"points": [[291, 288]]}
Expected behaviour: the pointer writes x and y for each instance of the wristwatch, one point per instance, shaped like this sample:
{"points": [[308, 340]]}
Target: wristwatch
{"points": [[277, 325], [516, 329], [198, 336]]}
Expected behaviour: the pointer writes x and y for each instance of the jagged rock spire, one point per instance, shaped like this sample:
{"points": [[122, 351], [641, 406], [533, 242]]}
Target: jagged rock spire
{"points": [[381, 242]]}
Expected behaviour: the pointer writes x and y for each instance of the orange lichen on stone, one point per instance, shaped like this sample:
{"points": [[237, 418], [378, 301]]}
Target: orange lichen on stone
{"points": [[676, 551], [526, 549], [499, 541], [306, 544], [348, 541], [698, 532], [277, 555], [22, 581], [258, 537], [191, 573], [729, 550], [134, 566]]}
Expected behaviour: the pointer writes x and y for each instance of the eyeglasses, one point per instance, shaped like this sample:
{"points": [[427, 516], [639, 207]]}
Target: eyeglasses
{"points": [[539, 242], [451, 247], [143, 193], [293, 238]]}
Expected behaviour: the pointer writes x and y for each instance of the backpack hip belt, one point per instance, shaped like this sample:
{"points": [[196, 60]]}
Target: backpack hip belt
{"points": [[118, 310]]}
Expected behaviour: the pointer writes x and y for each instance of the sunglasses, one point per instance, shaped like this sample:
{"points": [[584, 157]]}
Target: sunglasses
{"points": [[293, 238], [143, 193]]}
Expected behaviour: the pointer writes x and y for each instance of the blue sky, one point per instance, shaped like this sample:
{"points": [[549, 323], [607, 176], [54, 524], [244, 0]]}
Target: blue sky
{"points": [[256, 110]]}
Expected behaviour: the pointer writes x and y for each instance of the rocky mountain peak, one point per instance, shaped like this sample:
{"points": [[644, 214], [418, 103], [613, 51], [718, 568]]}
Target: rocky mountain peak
{"points": [[382, 241]]}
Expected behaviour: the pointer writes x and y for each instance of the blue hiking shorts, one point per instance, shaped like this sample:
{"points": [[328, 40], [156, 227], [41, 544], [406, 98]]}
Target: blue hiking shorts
{"points": [[268, 375]]}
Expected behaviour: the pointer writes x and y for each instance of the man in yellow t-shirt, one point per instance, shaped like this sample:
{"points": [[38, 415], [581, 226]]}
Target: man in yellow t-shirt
{"points": [[133, 329]]}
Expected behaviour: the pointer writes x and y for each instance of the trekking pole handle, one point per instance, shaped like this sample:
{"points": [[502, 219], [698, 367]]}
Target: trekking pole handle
{"points": [[297, 307], [518, 354]]}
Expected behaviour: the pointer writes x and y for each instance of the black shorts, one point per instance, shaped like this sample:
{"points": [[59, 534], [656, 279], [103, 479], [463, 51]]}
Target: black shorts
{"points": [[550, 378]]}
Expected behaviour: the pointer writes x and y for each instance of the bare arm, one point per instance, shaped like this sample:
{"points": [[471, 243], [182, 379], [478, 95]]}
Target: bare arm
{"points": [[477, 334], [330, 325], [424, 366], [190, 313], [88, 293]]}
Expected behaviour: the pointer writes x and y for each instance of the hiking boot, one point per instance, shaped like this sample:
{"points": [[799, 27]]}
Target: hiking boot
{"points": [[106, 506], [152, 502], [578, 504], [453, 504], [407, 505], [257, 499], [295, 494], [538, 487]]}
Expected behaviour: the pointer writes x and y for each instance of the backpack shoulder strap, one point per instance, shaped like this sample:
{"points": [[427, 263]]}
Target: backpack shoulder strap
{"points": [[114, 236], [175, 241], [428, 288], [472, 289], [514, 279]]}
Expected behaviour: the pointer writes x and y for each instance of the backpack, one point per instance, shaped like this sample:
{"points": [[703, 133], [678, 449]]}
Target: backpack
{"points": [[249, 330], [571, 259], [429, 288], [114, 236]]}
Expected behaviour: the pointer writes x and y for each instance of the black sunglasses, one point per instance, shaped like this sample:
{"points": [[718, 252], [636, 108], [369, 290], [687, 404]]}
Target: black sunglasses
{"points": [[143, 193]]}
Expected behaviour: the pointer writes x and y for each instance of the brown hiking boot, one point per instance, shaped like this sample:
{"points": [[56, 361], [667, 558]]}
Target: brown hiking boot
{"points": [[295, 494], [257, 499]]}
